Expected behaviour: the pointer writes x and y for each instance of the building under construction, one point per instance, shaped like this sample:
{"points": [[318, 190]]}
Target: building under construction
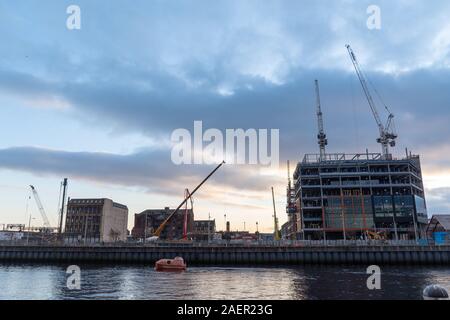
{"points": [[356, 196], [348, 195]]}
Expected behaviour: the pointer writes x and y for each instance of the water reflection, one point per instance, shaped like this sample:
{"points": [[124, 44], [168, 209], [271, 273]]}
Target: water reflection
{"points": [[220, 282]]}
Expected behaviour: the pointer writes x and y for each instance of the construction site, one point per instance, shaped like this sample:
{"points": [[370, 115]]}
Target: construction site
{"points": [[367, 196], [362, 198]]}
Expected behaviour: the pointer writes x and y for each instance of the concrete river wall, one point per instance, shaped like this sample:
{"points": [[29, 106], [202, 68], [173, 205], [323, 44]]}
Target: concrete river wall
{"points": [[408, 255]]}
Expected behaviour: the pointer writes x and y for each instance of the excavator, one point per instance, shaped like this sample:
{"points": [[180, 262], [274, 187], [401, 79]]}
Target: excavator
{"points": [[188, 196], [380, 235]]}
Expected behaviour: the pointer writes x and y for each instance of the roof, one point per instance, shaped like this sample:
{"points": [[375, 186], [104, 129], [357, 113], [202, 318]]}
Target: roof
{"points": [[164, 212], [94, 201], [442, 219]]}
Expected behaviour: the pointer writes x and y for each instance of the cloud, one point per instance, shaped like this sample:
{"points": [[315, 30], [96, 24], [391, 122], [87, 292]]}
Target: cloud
{"points": [[154, 67], [289, 107], [437, 199], [151, 170]]}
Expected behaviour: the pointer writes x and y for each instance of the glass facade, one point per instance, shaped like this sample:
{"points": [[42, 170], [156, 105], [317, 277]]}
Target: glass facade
{"points": [[333, 213], [355, 210], [383, 206], [404, 206], [421, 208]]}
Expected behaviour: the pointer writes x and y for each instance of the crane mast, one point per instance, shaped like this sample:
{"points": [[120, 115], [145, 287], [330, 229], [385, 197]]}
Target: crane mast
{"points": [[40, 207], [321, 136], [185, 224], [276, 234], [387, 136], [289, 175]]}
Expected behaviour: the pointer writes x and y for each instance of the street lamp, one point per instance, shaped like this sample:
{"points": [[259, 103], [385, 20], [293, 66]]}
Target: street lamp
{"points": [[145, 228], [209, 226], [85, 229], [257, 231]]}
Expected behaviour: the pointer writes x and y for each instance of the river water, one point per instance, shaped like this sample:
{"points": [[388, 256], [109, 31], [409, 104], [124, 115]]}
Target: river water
{"points": [[217, 282]]}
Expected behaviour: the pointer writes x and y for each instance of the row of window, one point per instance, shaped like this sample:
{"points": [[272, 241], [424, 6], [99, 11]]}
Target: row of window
{"points": [[86, 201], [84, 209], [381, 206]]}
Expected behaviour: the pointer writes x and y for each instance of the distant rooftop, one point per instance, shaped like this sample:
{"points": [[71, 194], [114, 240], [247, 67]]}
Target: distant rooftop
{"points": [[442, 219], [95, 201]]}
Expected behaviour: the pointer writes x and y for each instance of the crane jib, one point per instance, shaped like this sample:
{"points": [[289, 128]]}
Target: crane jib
{"points": [[387, 136], [161, 227]]}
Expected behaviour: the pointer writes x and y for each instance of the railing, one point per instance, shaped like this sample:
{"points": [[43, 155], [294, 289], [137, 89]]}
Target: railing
{"points": [[314, 158], [235, 243]]}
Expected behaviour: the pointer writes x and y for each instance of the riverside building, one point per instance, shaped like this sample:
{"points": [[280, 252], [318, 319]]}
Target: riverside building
{"points": [[348, 196]]}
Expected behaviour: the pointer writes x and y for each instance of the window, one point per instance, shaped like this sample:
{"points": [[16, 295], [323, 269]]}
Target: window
{"points": [[404, 206], [383, 206], [421, 208]]}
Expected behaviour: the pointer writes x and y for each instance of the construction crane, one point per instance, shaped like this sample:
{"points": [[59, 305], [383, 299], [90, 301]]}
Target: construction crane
{"points": [[40, 207], [289, 174], [291, 208], [387, 134], [321, 136], [276, 234], [61, 216], [158, 231]]}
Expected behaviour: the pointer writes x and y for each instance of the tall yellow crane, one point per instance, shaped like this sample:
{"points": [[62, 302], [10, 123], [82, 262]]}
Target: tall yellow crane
{"points": [[276, 233]]}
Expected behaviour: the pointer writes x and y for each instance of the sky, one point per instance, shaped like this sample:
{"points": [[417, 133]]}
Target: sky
{"points": [[98, 104]]}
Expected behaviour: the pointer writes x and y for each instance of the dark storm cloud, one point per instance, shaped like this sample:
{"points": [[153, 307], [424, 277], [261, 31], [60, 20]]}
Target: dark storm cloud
{"points": [[419, 100]]}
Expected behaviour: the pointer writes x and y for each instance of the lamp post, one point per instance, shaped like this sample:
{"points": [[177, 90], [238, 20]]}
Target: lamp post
{"points": [[257, 231], [145, 228], [209, 226], [88, 218], [343, 226], [395, 226]]}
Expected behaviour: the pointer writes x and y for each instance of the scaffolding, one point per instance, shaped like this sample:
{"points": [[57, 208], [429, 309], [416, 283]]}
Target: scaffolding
{"points": [[346, 195]]}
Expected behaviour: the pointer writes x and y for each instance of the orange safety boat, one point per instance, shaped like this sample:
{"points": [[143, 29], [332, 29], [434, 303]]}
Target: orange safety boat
{"points": [[176, 264]]}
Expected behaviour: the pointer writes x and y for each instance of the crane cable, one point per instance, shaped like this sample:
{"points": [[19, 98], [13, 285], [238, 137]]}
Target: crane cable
{"points": [[390, 125], [355, 120]]}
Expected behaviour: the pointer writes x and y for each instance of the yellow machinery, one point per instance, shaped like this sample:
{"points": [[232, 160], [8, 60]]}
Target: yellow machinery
{"points": [[276, 234], [381, 235]]}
